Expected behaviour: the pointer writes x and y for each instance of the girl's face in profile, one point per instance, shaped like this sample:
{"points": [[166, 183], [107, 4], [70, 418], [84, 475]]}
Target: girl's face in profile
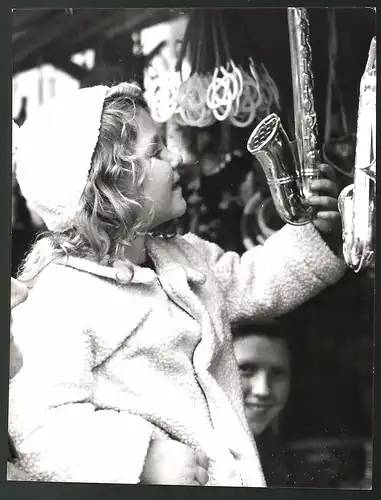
{"points": [[264, 364], [160, 184]]}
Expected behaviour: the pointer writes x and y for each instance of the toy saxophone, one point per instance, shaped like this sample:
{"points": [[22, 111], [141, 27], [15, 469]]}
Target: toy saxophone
{"points": [[290, 166], [357, 202]]}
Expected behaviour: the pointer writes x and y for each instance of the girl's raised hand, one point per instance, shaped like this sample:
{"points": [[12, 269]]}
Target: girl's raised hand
{"points": [[327, 220]]}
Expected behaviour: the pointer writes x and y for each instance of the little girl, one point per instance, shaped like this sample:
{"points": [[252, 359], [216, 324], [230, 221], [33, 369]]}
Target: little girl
{"points": [[128, 369]]}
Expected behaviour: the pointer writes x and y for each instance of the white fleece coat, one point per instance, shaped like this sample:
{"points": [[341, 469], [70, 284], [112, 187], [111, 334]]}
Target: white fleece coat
{"points": [[109, 366]]}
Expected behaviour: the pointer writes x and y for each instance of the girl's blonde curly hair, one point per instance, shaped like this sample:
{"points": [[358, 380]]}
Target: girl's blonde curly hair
{"points": [[109, 216]]}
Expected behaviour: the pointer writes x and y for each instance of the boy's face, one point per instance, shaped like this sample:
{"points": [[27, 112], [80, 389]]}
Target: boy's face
{"points": [[264, 365]]}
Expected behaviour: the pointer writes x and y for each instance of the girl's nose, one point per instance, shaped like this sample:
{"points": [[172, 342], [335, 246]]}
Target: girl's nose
{"points": [[176, 160], [173, 158]]}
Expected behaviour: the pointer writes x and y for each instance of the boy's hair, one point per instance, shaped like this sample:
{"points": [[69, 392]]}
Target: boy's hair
{"points": [[269, 328], [282, 328], [109, 215]]}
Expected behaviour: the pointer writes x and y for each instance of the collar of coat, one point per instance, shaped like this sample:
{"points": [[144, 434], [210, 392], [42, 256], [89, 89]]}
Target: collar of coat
{"points": [[166, 254]]}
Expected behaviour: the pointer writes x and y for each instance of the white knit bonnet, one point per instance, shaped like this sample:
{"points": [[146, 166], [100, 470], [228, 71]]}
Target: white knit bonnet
{"points": [[55, 149]]}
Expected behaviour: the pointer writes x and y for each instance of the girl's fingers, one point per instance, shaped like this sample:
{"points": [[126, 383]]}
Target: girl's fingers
{"points": [[324, 185], [328, 171], [19, 293], [202, 459], [202, 477], [325, 202], [328, 215]]}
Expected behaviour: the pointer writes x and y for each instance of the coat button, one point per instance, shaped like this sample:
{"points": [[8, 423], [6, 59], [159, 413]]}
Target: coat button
{"points": [[123, 277], [124, 273]]}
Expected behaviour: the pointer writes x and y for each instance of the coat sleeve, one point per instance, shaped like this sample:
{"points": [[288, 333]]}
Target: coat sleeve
{"points": [[292, 266], [59, 434]]}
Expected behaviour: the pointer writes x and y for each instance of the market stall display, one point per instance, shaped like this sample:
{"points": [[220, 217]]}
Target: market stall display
{"points": [[214, 88]]}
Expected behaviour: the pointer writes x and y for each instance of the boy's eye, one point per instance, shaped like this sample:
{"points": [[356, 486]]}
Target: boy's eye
{"points": [[247, 370], [279, 372]]}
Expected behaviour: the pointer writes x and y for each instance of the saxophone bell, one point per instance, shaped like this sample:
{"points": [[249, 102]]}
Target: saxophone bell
{"points": [[291, 166], [358, 223], [270, 144]]}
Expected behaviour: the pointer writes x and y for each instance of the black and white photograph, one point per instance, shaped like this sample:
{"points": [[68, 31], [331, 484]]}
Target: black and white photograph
{"points": [[193, 247]]}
